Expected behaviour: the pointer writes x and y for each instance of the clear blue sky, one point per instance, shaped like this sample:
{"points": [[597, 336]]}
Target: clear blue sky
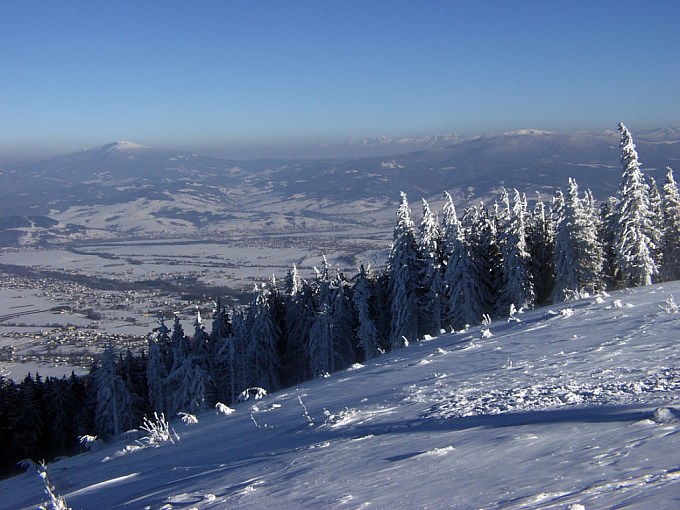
{"points": [[232, 76]]}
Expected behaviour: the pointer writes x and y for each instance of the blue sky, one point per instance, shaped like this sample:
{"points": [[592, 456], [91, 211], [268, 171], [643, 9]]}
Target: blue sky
{"points": [[261, 77]]}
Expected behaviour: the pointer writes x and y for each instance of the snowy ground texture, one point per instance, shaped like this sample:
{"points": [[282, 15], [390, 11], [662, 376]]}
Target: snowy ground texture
{"points": [[572, 407]]}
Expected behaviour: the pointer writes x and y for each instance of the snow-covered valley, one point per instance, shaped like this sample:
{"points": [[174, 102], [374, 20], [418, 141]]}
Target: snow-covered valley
{"points": [[573, 406]]}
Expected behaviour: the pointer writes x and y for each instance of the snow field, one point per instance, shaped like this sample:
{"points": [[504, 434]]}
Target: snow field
{"points": [[561, 410]]}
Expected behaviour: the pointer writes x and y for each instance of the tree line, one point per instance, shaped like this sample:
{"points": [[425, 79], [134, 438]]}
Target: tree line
{"points": [[445, 274]]}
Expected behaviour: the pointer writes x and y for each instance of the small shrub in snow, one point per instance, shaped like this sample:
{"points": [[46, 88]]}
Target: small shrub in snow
{"points": [[513, 312], [159, 430], [56, 502], [223, 409], [90, 442], [255, 393], [670, 307], [486, 333], [306, 414], [188, 418]]}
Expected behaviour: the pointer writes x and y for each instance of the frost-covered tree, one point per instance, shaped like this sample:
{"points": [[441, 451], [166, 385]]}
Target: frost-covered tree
{"points": [[578, 254], [344, 321], [402, 269], [113, 410], [320, 347], [221, 323], [430, 279], [158, 367], [518, 289], [633, 238], [298, 316], [670, 262], [363, 301], [187, 380], [203, 352], [541, 246], [657, 212], [465, 280], [189, 383], [263, 335], [607, 231], [220, 340]]}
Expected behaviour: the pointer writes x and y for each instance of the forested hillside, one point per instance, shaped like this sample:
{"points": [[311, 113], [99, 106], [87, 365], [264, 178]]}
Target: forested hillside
{"points": [[447, 274]]}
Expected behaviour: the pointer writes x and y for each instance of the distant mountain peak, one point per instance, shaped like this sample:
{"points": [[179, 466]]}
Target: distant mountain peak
{"points": [[123, 145], [527, 132], [119, 146]]}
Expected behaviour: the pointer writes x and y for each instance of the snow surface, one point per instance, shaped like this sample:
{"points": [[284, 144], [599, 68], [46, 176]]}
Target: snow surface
{"points": [[570, 407]]}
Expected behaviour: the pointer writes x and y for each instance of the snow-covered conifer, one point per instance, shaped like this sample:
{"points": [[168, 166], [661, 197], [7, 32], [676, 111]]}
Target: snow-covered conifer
{"points": [[298, 316], [633, 238], [113, 410], [320, 348], [670, 264], [363, 299], [158, 366], [465, 282], [518, 289], [541, 246], [263, 339], [402, 269], [607, 231], [578, 254], [430, 279]]}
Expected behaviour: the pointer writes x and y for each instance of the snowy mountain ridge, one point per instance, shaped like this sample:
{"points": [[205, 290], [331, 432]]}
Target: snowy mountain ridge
{"points": [[573, 406], [106, 183]]}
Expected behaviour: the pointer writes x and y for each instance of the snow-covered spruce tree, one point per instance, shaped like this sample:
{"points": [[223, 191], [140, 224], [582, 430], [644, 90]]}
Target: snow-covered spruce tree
{"points": [[656, 209], [430, 279], [607, 223], [493, 225], [133, 370], [221, 323], [231, 361], [221, 339], [203, 353], [633, 238], [332, 293], [363, 300], [541, 246], [344, 322], [463, 278], [189, 383], [298, 316], [320, 346], [263, 335], [112, 413], [383, 310], [402, 269], [187, 380], [578, 254], [670, 261], [518, 289], [158, 367]]}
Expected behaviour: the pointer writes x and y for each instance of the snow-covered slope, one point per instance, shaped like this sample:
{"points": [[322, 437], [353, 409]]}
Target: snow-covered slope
{"points": [[570, 407]]}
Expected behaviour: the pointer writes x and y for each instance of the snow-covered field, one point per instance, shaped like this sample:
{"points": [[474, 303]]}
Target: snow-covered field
{"points": [[575, 406]]}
